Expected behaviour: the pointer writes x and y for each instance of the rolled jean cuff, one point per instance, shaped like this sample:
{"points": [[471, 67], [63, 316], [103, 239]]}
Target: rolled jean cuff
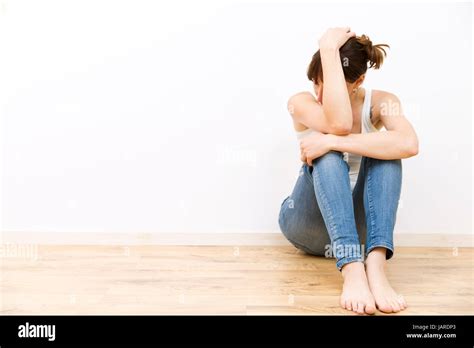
{"points": [[344, 261], [381, 244]]}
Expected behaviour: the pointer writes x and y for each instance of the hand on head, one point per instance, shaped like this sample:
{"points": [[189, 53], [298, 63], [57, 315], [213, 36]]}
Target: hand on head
{"points": [[334, 38]]}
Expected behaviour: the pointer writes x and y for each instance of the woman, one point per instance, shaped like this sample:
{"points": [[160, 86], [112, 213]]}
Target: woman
{"points": [[345, 200]]}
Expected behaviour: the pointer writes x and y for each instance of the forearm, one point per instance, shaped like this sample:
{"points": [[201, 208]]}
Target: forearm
{"points": [[336, 103], [386, 145]]}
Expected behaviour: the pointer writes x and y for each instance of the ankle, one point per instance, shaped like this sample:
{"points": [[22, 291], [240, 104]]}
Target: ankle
{"points": [[376, 258], [375, 265], [353, 268]]}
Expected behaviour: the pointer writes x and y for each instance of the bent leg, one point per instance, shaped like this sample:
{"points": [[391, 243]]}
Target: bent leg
{"points": [[322, 202], [382, 187], [300, 219], [333, 193]]}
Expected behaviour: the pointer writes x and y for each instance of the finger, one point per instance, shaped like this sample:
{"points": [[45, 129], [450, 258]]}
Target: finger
{"points": [[351, 34], [303, 156], [309, 161]]}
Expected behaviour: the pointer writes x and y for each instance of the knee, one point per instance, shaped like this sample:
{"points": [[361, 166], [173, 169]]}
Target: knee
{"points": [[388, 173], [387, 166], [330, 160]]}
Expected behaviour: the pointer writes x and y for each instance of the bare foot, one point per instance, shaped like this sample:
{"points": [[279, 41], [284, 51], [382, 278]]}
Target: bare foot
{"points": [[386, 299], [356, 294]]}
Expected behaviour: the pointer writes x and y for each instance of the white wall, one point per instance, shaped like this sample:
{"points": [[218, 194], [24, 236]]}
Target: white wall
{"points": [[170, 116]]}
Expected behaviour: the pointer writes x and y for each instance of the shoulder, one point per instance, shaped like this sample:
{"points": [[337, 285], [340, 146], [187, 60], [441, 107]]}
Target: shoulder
{"points": [[302, 107], [380, 95], [300, 102], [301, 96], [384, 103]]}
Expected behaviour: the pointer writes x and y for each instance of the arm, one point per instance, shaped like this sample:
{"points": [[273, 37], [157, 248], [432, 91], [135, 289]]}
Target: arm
{"points": [[334, 114], [306, 110], [336, 103], [398, 141]]}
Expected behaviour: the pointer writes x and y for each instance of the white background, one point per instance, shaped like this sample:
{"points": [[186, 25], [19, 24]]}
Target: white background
{"points": [[170, 116]]}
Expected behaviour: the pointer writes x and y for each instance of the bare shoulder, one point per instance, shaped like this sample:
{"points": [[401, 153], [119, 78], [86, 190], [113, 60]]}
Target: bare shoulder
{"points": [[379, 96], [384, 102], [299, 105], [305, 95], [299, 102]]}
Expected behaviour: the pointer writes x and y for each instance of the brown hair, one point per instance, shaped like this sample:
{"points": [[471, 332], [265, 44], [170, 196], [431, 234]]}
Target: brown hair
{"points": [[357, 54]]}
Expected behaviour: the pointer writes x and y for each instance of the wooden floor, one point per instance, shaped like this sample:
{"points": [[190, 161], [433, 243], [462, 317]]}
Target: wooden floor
{"points": [[150, 279]]}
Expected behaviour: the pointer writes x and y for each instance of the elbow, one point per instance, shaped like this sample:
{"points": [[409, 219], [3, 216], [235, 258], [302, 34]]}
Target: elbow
{"points": [[341, 125], [413, 151], [340, 129], [411, 148]]}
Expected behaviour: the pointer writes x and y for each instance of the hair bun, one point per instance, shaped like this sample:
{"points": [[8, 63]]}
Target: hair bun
{"points": [[375, 53], [357, 54]]}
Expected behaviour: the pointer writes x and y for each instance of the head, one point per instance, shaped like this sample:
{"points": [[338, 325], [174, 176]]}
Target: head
{"points": [[357, 55]]}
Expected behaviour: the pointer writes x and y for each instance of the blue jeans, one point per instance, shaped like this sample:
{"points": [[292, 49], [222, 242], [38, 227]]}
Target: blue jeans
{"points": [[324, 217]]}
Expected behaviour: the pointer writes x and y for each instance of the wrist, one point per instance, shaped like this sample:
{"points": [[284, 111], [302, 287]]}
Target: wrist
{"points": [[326, 49], [332, 142]]}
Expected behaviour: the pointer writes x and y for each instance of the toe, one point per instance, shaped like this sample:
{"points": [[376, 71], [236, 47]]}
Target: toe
{"points": [[384, 307], [370, 308], [360, 308], [402, 302], [348, 305], [354, 306], [395, 306]]}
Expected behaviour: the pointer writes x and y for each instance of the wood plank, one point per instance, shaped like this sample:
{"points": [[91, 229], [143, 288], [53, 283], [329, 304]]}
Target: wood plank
{"points": [[167, 279]]}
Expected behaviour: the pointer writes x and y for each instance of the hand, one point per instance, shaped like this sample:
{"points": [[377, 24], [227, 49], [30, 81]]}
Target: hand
{"points": [[334, 38], [313, 146]]}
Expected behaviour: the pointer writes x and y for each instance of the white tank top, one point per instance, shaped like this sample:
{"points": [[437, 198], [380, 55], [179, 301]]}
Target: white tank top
{"points": [[366, 126]]}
